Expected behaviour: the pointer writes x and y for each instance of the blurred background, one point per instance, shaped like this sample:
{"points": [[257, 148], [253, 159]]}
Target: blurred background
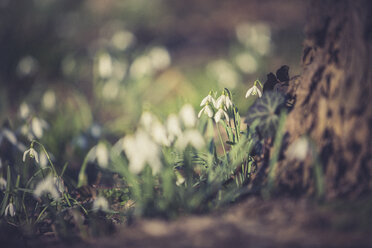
{"points": [[74, 72]]}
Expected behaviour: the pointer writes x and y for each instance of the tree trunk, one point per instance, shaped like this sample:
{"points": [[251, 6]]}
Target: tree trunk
{"points": [[331, 100]]}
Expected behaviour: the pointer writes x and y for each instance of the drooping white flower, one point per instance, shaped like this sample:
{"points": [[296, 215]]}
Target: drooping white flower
{"points": [[187, 115], [154, 128], [299, 149], [43, 159], [38, 126], [100, 203], [220, 114], [207, 110], [24, 110], [9, 210], [141, 150], [159, 134], [191, 137], [2, 183], [223, 102], [9, 135], [48, 186], [208, 99], [254, 90], [33, 154], [147, 119], [173, 127], [102, 155]]}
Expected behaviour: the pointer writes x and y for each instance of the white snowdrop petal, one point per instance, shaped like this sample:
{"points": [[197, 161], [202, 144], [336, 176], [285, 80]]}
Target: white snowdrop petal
{"points": [[249, 92], [187, 115], [3, 183], [209, 111], [100, 203]]}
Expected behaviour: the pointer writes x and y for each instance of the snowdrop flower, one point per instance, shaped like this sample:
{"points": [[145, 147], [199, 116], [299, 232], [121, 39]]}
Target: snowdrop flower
{"points": [[9, 135], [187, 115], [100, 203], [33, 154], [2, 183], [223, 101], [221, 113], [38, 126], [153, 126], [208, 99], [43, 160], [173, 127], [192, 137], [141, 150], [10, 210], [24, 110], [254, 90], [159, 134], [48, 185], [207, 110], [102, 155], [299, 149]]}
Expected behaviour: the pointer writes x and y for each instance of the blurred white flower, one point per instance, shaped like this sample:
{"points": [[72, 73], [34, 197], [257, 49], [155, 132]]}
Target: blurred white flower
{"points": [[102, 155], [9, 135], [104, 65], [9, 210], [48, 185], [247, 63], [154, 128], [254, 90], [2, 183], [187, 115], [207, 110], [38, 126], [224, 73], [173, 127], [100, 203], [141, 150], [43, 159], [141, 67], [256, 36], [49, 100], [32, 153], [111, 89], [27, 66], [190, 137], [180, 179], [95, 130], [159, 134], [223, 102], [220, 114], [24, 110], [299, 149], [160, 58], [147, 119], [122, 39]]}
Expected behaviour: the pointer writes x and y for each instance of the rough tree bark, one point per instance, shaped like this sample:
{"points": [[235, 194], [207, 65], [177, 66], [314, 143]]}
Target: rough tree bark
{"points": [[332, 99]]}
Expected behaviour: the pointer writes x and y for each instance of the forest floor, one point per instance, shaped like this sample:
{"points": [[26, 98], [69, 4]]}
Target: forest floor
{"points": [[284, 222]]}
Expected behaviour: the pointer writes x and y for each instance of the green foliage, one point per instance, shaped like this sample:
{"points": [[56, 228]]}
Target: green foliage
{"points": [[266, 111]]}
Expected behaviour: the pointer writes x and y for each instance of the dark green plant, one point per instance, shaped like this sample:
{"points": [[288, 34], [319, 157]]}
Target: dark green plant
{"points": [[266, 111]]}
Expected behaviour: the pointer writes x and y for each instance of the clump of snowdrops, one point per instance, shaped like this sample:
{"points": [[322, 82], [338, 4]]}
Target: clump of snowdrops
{"points": [[184, 163]]}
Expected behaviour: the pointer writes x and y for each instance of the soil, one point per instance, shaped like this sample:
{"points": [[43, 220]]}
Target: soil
{"points": [[284, 222]]}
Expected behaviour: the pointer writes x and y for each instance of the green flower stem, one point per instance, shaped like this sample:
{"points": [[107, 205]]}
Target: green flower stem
{"points": [[47, 154], [219, 135]]}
